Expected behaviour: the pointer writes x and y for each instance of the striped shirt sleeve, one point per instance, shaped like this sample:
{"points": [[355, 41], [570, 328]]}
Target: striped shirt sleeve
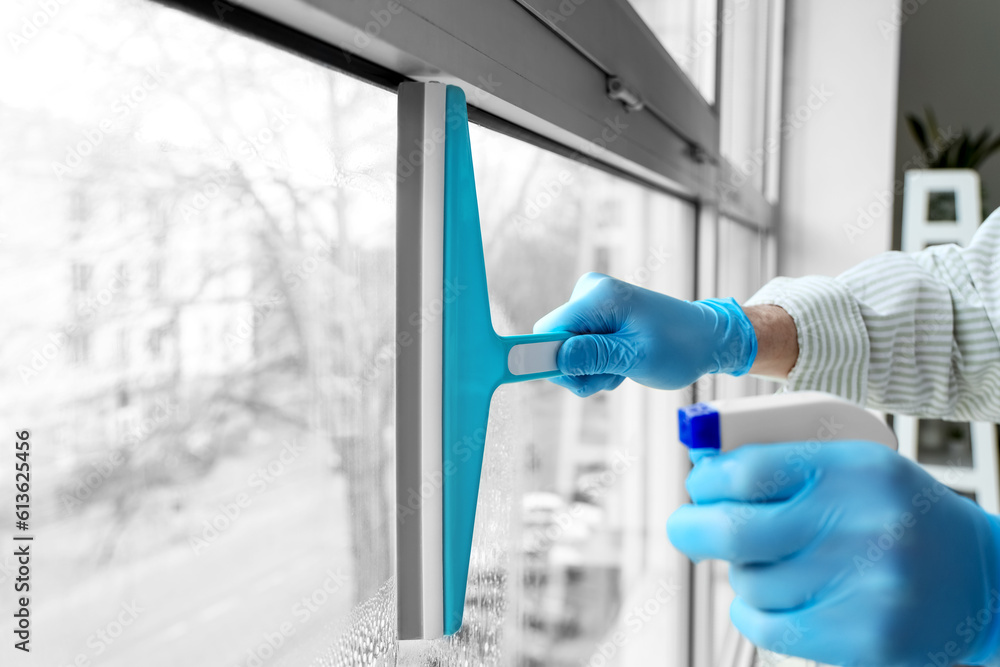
{"points": [[908, 333]]}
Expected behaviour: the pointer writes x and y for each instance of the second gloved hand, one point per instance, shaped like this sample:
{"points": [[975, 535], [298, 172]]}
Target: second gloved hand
{"points": [[658, 341], [847, 553]]}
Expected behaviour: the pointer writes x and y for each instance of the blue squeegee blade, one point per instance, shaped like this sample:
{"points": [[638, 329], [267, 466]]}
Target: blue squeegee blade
{"points": [[474, 359]]}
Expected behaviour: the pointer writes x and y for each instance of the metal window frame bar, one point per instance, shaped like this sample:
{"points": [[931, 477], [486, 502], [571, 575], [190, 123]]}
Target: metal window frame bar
{"points": [[598, 29], [279, 35]]}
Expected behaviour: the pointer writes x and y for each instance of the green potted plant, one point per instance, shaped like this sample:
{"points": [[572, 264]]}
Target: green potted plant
{"points": [[966, 150]]}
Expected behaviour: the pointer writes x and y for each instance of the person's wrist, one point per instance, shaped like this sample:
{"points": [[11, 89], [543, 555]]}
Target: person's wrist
{"points": [[736, 341], [777, 340]]}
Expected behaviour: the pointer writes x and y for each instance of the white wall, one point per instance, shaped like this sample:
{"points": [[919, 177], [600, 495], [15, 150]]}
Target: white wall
{"points": [[839, 138], [958, 83]]}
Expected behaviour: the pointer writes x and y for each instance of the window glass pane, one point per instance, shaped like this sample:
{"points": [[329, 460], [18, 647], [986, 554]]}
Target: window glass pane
{"points": [[688, 30], [944, 443], [739, 275], [746, 259], [744, 86], [739, 266], [600, 475], [776, 125], [197, 242]]}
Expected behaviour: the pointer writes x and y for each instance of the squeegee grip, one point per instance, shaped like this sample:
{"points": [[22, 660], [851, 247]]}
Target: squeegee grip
{"points": [[532, 356]]}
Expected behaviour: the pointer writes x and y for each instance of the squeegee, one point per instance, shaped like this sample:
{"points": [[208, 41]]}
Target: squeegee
{"points": [[449, 361]]}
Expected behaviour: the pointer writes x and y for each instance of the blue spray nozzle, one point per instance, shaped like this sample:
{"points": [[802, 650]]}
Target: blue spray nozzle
{"points": [[698, 426]]}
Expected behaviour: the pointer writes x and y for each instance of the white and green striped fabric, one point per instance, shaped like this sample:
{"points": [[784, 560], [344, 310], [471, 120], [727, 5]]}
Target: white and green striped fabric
{"points": [[907, 333]]}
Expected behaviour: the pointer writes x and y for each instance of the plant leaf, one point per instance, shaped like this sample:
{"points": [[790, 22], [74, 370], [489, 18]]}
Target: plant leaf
{"points": [[933, 130], [978, 146], [917, 131], [990, 149], [939, 157], [964, 152]]}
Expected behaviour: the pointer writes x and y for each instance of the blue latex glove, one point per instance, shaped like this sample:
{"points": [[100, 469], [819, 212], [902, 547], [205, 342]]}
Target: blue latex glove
{"points": [[650, 337], [847, 553]]}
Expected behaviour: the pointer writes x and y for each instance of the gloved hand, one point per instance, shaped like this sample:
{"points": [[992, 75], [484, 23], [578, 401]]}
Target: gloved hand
{"points": [[847, 553], [650, 337]]}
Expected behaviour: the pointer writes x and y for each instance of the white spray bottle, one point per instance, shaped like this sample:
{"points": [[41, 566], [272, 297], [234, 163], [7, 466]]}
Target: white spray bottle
{"points": [[804, 416], [807, 416]]}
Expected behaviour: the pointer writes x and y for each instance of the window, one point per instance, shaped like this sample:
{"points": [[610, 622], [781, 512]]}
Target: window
{"points": [[751, 89], [230, 486], [155, 275], [154, 342], [944, 443], [741, 258], [231, 500], [689, 30], [122, 346], [78, 206], [123, 397], [79, 346], [597, 478], [81, 277]]}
